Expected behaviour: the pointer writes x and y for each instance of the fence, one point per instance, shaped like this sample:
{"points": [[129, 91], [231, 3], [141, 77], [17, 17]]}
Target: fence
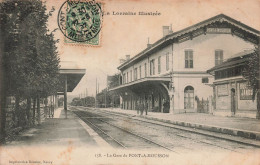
{"points": [[203, 106], [16, 120]]}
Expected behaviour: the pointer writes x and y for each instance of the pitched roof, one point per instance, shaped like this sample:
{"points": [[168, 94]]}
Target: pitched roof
{"points": [[169, 38], [238, 59]]}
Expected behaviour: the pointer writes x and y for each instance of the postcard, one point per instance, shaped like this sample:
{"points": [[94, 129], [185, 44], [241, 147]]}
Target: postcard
{"points": [[129, 82]]}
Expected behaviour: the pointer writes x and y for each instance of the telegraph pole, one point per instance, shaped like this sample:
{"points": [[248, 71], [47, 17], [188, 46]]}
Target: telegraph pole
{"points": [[86, 98], [106, 97], [96, 95]]}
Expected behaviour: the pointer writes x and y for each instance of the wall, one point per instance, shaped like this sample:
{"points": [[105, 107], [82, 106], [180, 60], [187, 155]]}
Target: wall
{"points": [[200, 90], [204, 47], [245, 108], [223, 100], [154, 56], [162, 53]]}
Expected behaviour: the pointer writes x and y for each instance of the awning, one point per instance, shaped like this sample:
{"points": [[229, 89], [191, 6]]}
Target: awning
{"points": [[141, 84], [73, 74]]}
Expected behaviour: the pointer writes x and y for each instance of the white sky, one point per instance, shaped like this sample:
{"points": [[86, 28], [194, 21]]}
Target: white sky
{"points": [[122, 35]]}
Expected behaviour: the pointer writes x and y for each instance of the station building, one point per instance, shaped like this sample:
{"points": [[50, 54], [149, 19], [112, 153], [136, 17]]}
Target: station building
{"points": [[234, 97], [170, 75]]}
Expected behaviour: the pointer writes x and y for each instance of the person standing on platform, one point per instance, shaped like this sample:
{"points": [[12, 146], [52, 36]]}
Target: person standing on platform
{"points": [[137, 106], [146, 107], [142, 107], [51, 113]]}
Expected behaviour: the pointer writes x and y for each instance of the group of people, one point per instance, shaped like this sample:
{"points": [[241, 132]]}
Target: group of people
{"points": [[142, 106]]}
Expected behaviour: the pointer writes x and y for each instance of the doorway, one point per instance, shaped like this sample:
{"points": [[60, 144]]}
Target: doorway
{"points": [[188, 97], [233, 101]]}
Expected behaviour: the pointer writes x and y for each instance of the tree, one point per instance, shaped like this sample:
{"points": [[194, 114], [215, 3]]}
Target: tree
{"points": [[90, 101], [113, 81], [252, 74], [103, 98], [76, 101], [29, 58], [107, 99]]}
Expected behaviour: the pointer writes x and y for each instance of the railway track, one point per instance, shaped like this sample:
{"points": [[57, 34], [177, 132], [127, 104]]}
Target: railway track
{"points": [[118, 136], [113, 119], [227, 137]]}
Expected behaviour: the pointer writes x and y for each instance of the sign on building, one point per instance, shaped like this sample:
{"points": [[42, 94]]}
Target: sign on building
{"points": [[222, 90], [246, 93], [219, 30]]}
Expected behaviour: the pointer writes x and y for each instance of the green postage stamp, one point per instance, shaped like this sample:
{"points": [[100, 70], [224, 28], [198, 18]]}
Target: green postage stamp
{"points": [[80, 22]]}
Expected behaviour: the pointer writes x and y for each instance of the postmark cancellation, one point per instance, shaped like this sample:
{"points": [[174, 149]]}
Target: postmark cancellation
{"points": [[80, 21]]}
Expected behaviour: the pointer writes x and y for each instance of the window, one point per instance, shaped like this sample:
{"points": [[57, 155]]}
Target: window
{"points": [[188, 59], [127, 77], [124, 78], [189, 97], [167, 61], [152, 67], [205, 80], [145, 70], [135, 74], [231, 72], [218, 57], [131, 76], [159, 64], [140, 71]]}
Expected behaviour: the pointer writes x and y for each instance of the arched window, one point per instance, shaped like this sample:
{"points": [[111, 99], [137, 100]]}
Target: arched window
{"points": [[189, 97]]}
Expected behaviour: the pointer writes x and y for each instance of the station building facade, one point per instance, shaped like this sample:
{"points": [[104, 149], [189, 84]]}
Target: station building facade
{"points": [[170, 75], [234, 97]]}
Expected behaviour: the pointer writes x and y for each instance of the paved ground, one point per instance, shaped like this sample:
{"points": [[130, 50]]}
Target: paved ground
{"points": [[246, 127], [56, 131], [56, 141]]}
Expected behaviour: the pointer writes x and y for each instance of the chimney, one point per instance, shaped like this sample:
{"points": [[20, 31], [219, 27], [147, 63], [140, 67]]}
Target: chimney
{"points": [[127, 57], [148, 44], [121, 60], [166, 30]]}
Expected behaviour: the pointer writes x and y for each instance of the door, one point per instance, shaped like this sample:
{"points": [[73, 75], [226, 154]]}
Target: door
{"points": [[188, 97], [233, 101]]}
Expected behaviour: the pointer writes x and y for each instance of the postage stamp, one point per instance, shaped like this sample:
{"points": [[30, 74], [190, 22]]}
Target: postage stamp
{"points": [[80, 21]]}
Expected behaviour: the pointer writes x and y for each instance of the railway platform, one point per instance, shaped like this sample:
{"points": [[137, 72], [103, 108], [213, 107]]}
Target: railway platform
{"points": [[58, 131], [242, 127]]}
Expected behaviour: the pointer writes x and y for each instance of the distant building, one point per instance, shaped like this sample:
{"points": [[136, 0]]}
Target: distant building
{"points": [[232, 94], [171, 74]]}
